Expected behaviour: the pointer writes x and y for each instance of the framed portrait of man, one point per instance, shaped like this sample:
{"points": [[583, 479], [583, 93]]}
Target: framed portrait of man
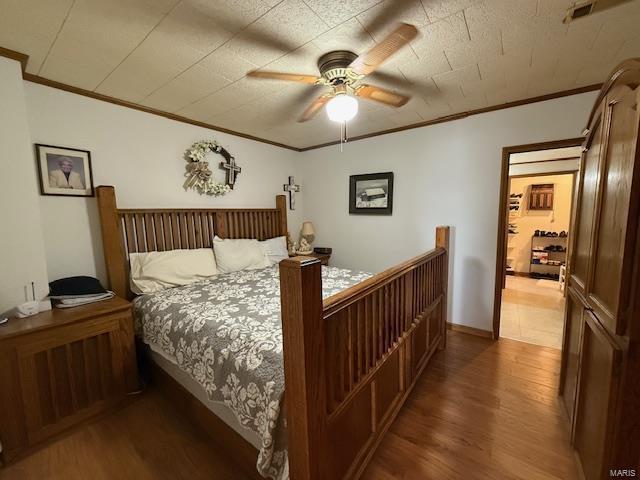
{"points": [[64, 171]]}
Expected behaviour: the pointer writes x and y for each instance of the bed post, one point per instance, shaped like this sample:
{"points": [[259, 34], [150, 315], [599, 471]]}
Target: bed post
{"points": [[281, 206], [304, 349], [442, 241], [112, 240]]}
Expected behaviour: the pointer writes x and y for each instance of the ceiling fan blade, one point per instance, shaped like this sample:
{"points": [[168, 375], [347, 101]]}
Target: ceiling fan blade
{"points": [[369, 61], [289, 77], [390, 9], [314, 108], [381, 95], [267, 40], [291, 100], [242, 26], [390, 78]]}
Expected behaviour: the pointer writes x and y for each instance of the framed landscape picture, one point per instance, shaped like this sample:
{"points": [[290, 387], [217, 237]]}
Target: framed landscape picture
{"points": [[64, 171], [371, 194]]}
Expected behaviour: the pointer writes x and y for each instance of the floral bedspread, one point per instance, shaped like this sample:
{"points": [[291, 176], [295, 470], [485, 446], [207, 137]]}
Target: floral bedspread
{"points": [[226, 333]]}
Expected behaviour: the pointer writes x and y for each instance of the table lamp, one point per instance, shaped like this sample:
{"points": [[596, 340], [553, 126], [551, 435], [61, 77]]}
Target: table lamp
{"points": [[307, 234]]}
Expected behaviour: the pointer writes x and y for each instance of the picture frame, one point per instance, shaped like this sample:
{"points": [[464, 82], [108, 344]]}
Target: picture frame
{"points": [[541, 197], [64, 171], [371, 194]]}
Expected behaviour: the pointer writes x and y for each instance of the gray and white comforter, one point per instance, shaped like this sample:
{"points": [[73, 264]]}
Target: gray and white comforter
{"points": [[226, 333]]}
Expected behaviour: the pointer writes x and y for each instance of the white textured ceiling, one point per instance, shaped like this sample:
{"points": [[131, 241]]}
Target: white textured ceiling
{"points": [[190, 57]]}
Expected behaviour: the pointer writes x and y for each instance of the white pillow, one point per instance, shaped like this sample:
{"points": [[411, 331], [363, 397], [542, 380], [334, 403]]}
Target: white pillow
{"points": [[156, 271], [276, 249], [241, 254]]}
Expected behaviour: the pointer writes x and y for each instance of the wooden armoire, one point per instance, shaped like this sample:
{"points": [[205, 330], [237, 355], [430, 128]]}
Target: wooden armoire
{"points": [[600, 377]]}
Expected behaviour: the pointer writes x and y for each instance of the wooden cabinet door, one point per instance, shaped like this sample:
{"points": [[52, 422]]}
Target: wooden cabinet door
{"points": [[69, 374], [571, 350], [614, 234], [596, 396], [587, 190]]}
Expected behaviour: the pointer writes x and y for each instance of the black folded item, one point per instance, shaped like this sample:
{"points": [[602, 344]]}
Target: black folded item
{"points": [[75, 287]]}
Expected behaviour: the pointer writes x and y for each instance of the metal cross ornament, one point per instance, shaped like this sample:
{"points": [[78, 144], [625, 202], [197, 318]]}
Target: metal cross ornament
{"points": [[232, 170], [292, 188]]}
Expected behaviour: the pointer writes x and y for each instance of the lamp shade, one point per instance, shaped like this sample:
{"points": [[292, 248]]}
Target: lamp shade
{"points": [[307, 229], [342, 108]]}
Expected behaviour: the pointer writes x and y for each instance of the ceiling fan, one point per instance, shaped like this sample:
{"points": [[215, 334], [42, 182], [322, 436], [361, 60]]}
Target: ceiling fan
{"points": [[342, 70]]}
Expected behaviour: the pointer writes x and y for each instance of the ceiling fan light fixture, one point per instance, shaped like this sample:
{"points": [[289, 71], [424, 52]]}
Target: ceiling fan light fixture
{"points": [[342, 108]]}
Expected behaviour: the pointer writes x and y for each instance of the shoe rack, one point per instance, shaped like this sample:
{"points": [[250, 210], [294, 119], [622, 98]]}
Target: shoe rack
{"points": [[548, 254]]}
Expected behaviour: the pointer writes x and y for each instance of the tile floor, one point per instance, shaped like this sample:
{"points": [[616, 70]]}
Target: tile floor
{"points": [[532, 311]]}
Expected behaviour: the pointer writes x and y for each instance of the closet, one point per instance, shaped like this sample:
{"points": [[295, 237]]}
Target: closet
{"points": [[600, 377]]}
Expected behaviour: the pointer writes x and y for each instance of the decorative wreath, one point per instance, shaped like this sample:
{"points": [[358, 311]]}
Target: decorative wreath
{"points": [[199, 175]]}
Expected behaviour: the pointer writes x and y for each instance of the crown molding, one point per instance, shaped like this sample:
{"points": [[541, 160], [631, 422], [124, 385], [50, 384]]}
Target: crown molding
{"points": [[23, 58], [17, 56], [123, 103], [459, 116]]}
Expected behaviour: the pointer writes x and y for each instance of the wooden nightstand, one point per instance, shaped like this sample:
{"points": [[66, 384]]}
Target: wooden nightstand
{"points": [[61, 367], [323, 257]]}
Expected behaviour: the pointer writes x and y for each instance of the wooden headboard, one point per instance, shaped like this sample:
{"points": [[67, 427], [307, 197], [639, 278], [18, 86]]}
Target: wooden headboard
{"points": [[132, 230]]}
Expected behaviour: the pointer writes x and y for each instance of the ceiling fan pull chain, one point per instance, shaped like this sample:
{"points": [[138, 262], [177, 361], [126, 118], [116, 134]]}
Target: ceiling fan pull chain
{"points": [[343, 134]]}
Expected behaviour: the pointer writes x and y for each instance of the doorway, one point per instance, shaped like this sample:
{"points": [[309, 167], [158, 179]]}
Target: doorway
{"points": [[534, 239]]}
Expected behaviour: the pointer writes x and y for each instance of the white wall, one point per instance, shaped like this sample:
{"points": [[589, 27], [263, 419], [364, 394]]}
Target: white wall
{"points": [[142, 155], [445, 174], [21, 244]]}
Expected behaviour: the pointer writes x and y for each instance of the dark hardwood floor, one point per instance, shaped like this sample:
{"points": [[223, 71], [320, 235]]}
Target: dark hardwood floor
{"points": [[482, 410]]}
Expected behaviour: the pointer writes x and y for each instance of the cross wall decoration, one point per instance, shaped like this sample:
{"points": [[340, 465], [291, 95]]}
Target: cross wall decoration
{"points": [[232, 170], [292, 188]]}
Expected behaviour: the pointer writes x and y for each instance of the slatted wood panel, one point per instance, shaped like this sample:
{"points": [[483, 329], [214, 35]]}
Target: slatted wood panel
{"points": [[260, 224], [362, 334], [68, 376], [140, 230], [161, 230], [157, 230], [66, 383]]}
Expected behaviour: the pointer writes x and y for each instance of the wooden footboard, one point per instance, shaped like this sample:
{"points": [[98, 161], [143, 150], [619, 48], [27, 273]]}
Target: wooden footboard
{"points": [[351, 361]]}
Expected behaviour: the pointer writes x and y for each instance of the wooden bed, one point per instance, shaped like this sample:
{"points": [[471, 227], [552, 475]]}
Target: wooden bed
{"points": [[350, 360]]}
